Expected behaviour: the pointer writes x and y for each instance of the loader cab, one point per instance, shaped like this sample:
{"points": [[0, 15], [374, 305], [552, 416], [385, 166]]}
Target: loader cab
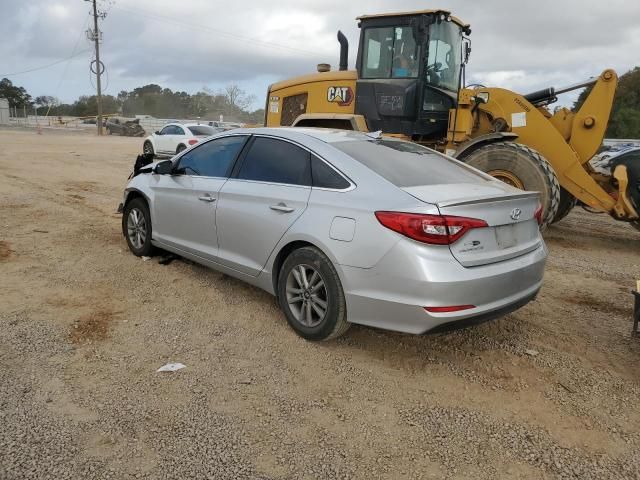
{"points": [[409, 68]]}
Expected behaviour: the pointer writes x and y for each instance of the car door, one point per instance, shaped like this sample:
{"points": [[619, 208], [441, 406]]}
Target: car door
{"points": [[184, 205], [161, 139], [173, 140], [268, 191]]}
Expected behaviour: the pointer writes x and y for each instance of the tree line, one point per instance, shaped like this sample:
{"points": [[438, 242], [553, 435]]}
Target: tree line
{"points": [[624, 121], [232, 102]]}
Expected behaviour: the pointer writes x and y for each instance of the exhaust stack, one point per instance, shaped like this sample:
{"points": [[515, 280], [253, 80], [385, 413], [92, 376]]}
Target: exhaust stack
{"points": [[344, 51]]}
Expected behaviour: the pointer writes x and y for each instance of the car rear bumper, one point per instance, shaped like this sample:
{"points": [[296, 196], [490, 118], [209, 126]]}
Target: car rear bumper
{"points": [[392, 295]]}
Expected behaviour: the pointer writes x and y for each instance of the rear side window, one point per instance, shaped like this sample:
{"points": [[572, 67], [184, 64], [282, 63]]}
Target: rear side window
{"points": [[276, 161], [202, 130], [407, 164], [326, 177], [212, 159]]}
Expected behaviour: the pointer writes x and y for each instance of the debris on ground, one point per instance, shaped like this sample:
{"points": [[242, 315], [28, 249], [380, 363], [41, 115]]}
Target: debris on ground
{"points": [[171, 367]]}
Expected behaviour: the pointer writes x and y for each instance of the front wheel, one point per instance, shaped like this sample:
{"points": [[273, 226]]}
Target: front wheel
{"points": [[147, 148], [311, 296], [136, 227], [521, 167]]}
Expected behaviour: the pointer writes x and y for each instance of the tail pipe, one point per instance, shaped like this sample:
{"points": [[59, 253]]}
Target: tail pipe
{"points": [[548, 95], [344, 51]]}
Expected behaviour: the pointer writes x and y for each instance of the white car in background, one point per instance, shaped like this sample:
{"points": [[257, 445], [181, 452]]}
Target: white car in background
{"points": [[176, 137]]}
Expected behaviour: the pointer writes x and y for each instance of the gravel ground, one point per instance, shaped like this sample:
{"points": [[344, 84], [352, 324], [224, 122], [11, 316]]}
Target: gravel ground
{"points": [[550, 391]]}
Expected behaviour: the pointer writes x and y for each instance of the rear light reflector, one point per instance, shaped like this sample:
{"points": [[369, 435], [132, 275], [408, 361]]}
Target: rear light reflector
{"points": [[433, 229], [538, 214], [193, 141], [453, 308]]}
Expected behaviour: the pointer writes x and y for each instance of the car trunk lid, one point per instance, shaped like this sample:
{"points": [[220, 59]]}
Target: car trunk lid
{"points": [[509, 213]]}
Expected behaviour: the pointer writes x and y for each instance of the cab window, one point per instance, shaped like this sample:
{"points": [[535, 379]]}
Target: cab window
{"points": [[390, 52], [445, 56]]}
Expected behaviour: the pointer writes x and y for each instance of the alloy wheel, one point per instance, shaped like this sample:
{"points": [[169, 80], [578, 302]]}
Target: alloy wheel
{"points": [[307, 295], [136, 228]]}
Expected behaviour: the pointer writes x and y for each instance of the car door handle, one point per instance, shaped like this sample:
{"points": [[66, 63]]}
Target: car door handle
{"points": [[281, 207], [207, 198]]}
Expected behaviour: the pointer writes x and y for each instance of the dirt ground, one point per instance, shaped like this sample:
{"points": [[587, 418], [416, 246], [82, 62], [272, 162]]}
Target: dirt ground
{"points": [[551, 391]]}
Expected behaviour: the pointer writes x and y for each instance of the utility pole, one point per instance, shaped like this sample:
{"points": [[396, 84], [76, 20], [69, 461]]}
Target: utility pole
{"points": [[98, 64]]}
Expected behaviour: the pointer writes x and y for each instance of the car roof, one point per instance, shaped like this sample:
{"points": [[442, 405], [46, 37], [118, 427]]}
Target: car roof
{"points": [[191, 124], [326, 135]]}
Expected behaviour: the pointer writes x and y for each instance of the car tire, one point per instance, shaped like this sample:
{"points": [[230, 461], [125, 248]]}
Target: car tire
{"points": [[310, 295], [180, 148], [521, 167], [147, 148], [566, 204], [136, 227]]}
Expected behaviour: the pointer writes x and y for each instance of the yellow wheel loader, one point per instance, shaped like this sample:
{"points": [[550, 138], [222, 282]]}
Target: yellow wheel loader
{"points": [[409, 82]]}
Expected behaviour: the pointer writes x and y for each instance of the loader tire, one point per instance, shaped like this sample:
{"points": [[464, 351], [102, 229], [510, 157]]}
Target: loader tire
{"points": [[566, 204], [521, 167]]}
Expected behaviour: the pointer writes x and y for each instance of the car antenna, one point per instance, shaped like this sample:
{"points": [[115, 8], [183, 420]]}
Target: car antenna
{"points": [[377, 135]]}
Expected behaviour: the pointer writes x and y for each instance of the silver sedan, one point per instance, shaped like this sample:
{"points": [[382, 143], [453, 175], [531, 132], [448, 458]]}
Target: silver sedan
{"points": [[344, 227]]}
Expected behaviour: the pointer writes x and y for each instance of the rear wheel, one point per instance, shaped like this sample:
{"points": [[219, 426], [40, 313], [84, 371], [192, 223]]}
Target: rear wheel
{"points": [[521, 167], [566, 204], [180, 148], [311, 296]]}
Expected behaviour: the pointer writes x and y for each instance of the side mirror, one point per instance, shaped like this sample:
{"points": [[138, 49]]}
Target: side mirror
{"points": [[157, 132], [163, 168]]}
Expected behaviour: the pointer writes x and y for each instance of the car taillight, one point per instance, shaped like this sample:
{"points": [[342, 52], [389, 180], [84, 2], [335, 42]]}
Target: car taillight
{"points": [[538, 214], [193, 141], [434, 229]]}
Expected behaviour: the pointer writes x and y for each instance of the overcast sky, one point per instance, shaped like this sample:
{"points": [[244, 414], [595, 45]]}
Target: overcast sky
{"points": [[190, 44]]}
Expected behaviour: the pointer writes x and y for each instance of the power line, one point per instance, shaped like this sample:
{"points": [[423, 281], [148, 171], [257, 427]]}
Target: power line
{"points": [[262, 43], [66, 67], [44, 66]]}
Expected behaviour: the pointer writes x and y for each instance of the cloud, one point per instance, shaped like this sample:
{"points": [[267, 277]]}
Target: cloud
{"points": [[189, 44]]}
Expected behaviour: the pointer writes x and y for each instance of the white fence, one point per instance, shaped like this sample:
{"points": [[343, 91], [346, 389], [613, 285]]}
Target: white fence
{"points": [[150, 124], [4, 111]]}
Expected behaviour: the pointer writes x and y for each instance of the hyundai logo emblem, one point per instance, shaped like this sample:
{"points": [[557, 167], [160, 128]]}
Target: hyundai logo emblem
{"points": [[515, 214]]}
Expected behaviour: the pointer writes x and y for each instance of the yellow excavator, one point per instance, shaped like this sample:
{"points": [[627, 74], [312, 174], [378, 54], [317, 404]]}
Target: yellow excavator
{"points": [[409, 82]]}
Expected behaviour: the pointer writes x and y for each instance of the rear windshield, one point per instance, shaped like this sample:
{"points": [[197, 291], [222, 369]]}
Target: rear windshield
{"points": [[407, 164], [202, 130]]}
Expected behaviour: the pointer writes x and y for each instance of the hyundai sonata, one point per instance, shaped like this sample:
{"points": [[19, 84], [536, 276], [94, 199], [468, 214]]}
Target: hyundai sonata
{"points": [[344, 227]]}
